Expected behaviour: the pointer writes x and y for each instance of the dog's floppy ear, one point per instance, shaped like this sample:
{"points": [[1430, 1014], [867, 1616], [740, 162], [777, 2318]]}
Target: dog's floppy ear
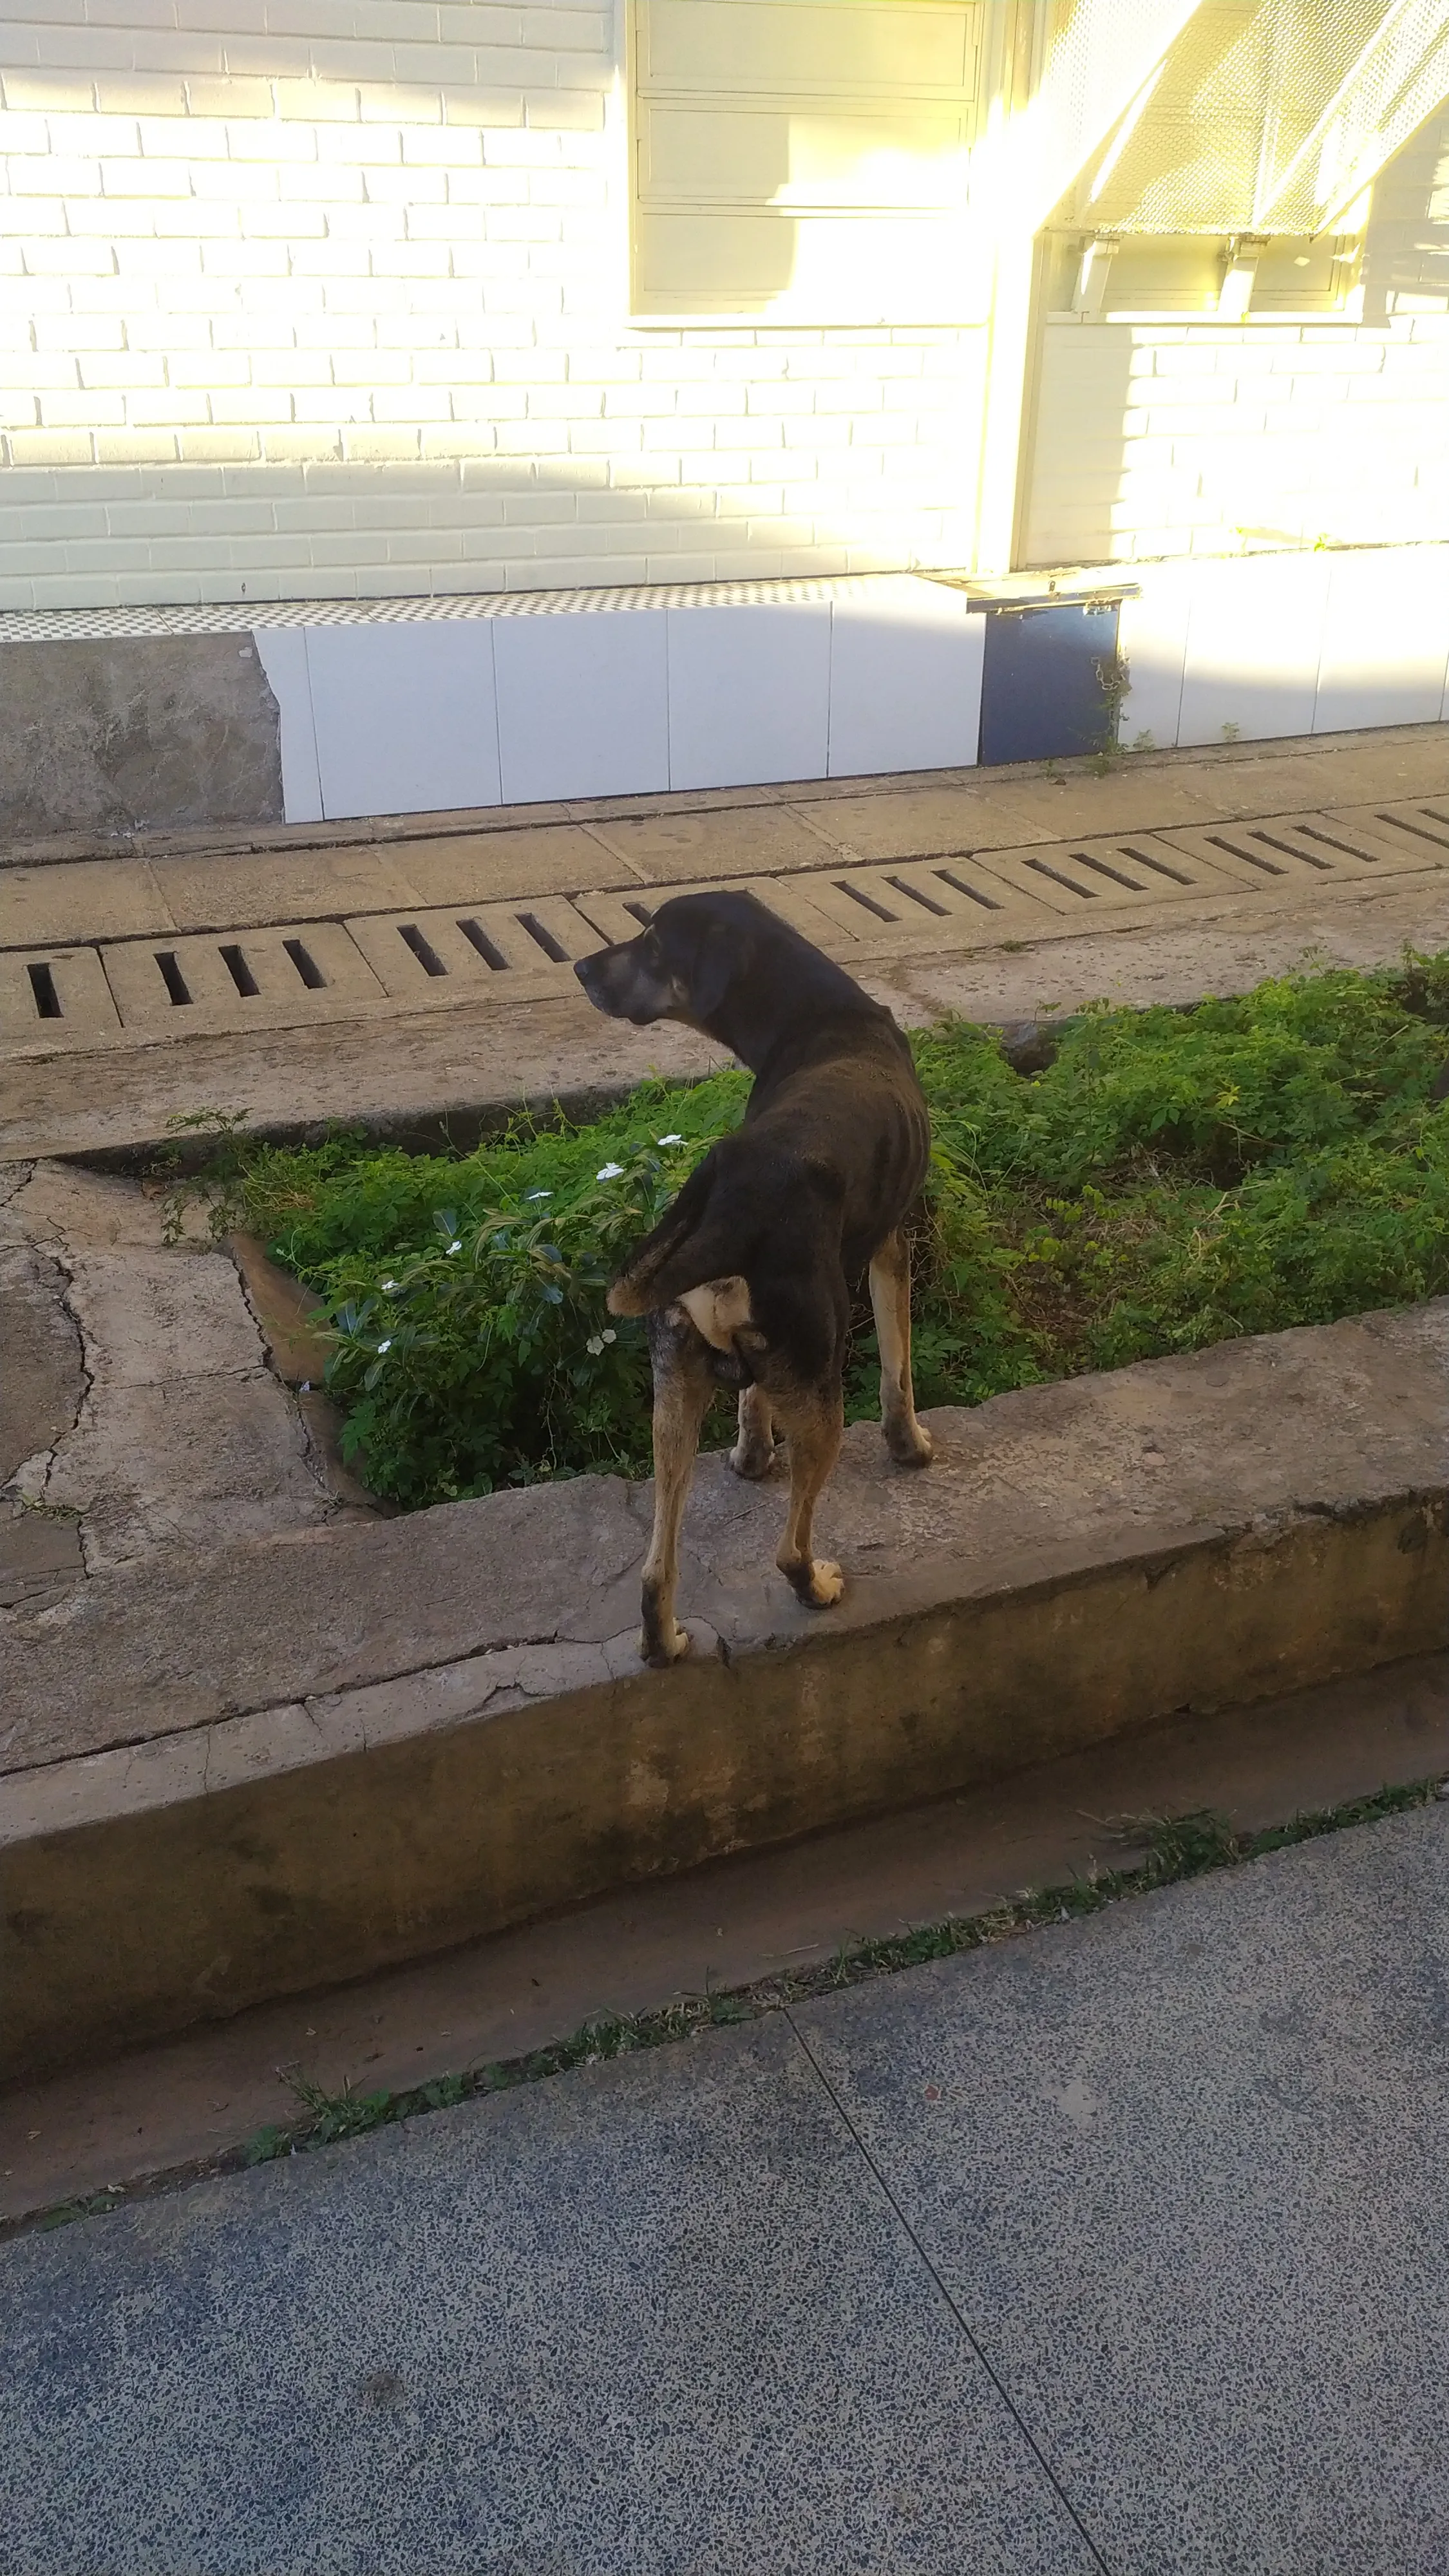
{"points": [[716, 961]]}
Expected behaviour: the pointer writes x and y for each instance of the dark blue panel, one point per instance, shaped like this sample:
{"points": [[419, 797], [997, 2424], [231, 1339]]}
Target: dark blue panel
{"points": [[1044, 689]]}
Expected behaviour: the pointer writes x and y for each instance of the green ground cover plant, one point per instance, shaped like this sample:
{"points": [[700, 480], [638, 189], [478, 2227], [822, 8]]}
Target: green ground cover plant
{"points": [[1169, 1179]]}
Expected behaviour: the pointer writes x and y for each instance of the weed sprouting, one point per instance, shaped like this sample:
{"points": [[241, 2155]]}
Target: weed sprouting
{"points": [[338, 2115], [1167, 1180]]}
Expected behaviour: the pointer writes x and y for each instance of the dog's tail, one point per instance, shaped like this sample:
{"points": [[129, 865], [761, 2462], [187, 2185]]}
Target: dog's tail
{"points": [[683, 1251]]}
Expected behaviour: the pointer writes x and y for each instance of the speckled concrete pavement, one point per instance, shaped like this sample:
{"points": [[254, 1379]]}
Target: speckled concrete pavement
{"points": [[1118, 2248]]}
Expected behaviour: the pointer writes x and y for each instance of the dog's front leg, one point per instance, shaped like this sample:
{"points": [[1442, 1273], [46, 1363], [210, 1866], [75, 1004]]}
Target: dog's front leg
{"points": [[815, 1424], [682, 1390], [908, 1440]]}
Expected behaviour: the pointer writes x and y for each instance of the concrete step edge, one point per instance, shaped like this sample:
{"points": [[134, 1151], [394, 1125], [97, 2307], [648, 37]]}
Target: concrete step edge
{"points": [[248, 1839]]}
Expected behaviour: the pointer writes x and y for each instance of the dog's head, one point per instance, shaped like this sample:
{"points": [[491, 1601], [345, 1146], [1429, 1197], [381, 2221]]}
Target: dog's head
{"points": [[682, 964]]}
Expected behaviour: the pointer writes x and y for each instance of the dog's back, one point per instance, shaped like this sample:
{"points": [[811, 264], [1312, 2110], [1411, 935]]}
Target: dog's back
{"points": [[835, 1143]]}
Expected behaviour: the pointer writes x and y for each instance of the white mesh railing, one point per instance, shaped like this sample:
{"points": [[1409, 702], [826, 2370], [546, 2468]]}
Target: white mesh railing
{"points": [[1265, 116]]}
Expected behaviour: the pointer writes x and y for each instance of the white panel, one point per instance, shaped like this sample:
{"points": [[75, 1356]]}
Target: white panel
{"points": [[1254, 638], [1152, 640], [405, 717], [696, 154], [282, 653], [583, 703], [905, 680], [749, 694], [846, 269], [1385, 640], [865, 45]]}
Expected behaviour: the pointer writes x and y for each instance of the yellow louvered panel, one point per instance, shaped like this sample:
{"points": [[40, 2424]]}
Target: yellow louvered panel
{"points": [[803, 157]]}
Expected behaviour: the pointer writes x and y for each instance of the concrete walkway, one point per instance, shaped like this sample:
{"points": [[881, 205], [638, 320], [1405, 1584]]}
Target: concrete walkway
{"points": [[1118, 2248], [419, 968]]}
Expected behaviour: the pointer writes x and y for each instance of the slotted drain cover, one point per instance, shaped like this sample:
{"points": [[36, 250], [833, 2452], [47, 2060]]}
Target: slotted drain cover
{"points": [[1289, 849], [1072, 876], [922, 902], [525, 950], [796, 899], [513, 951], [60, 999], [875, 907], [257, 977], [1423, 829]]}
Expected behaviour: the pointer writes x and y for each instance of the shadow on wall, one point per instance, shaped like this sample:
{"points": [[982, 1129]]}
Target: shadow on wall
{"points": [[1406, 255]]}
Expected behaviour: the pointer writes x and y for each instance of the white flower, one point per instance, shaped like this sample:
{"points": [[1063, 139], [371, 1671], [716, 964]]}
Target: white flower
{"points": [[389, 1286], [669, 1140], [595, 1343], [609, 1172], [384, 1346], [611, 1336], [538, 1194], [455, 1247]]}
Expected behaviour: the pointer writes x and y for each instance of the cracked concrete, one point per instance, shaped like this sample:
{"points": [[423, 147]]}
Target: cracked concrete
{"points": [[42, 1388], [140, 1411]]}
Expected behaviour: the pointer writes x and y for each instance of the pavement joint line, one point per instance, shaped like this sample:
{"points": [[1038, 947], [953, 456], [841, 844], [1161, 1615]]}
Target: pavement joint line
{"points": [[1176, 1848], [952, 2306]]}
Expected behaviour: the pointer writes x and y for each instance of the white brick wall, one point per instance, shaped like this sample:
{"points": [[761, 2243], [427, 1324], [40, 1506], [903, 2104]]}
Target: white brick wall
{"points": [[343, 313], [1198, 437]]}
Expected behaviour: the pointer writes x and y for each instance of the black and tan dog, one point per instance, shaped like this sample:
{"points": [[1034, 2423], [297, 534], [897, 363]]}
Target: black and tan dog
{"points": [[746, 1281]]}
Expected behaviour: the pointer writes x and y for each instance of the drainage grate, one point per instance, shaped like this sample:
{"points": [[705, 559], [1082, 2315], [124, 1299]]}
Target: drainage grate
{"points": [[1421, 829], [60, 999], [875, 906], [959, 901], [236, 978], [516, 951], [796, 899], [1078, 877], [259, 978], [1288, 851]]}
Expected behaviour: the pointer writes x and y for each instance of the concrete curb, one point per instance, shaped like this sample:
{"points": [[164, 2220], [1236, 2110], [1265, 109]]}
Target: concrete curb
{"points": [[305, 1758]]}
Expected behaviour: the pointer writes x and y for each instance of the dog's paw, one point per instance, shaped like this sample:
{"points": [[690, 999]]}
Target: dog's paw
{"points": [[817, 1584], [659, 1648], [751, 1459], [910, 1444]]}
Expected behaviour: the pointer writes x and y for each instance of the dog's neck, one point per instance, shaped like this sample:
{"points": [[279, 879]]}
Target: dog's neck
{"points": [[749, 1024]]}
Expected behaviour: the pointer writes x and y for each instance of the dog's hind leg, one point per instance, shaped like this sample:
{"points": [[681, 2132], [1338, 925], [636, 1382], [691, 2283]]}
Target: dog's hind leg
{"points": [[908, 1440], [754, 1451], [682, 1390], [814, 1423]]}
